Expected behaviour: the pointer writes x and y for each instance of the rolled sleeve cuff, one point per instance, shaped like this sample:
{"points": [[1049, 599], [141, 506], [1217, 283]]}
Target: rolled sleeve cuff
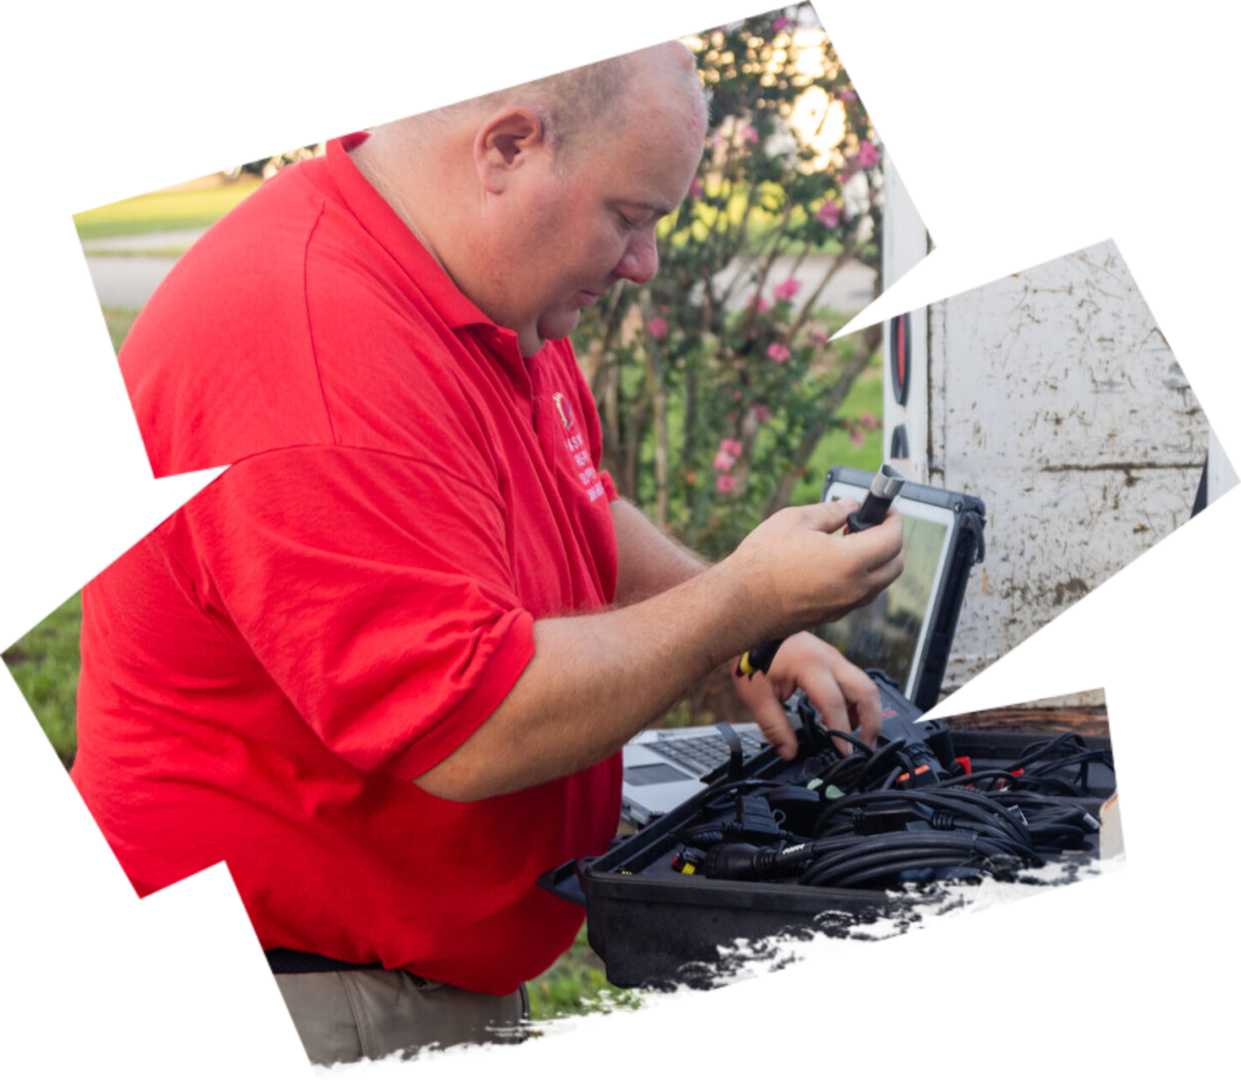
{"points": [[501, 671]]}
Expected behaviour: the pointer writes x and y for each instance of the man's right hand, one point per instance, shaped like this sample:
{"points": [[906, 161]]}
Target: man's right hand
{"points": [[596, 679], [797, 568]]}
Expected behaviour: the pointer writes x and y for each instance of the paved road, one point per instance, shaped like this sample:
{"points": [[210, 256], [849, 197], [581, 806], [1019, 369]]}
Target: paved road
{"points": [[851, 288], [129, 280]]}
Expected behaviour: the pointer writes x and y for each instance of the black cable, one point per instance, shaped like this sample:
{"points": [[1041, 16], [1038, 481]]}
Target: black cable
{"points": [[1077, 752], [869, 874], [880, 760], [838, 772], [873, 831], [993, 775], [890, 779], [832, 733], [725, 788], [854, 880], [1065, 832], [1083, 760], [1045, 746], [907, 846], [972, 805]]}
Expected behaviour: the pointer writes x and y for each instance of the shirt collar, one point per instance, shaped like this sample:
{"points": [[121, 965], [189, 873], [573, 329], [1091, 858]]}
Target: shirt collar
{"points": [[386, 226]]}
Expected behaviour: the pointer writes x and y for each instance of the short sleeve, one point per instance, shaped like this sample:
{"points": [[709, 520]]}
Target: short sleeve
{"points": [[373, 588]]}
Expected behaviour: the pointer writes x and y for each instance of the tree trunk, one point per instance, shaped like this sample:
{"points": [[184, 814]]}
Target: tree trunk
{"points": [[612, 436], [657, 392]]}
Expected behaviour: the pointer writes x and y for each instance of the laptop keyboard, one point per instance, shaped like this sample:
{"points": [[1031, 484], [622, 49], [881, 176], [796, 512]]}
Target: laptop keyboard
{"points": [[702, 754]]}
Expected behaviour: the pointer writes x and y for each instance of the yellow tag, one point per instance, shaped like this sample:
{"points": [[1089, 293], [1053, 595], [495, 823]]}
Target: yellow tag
{"points": [[688, 868]]}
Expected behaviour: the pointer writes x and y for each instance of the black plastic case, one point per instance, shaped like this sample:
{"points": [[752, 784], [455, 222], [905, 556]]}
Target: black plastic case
{"points": [[660, 930]]}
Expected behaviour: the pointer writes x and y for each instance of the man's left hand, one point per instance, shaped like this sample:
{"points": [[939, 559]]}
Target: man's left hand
{"points": [[845, 695]]}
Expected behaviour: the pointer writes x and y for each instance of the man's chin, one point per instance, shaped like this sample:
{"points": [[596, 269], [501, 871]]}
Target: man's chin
{"points": [[559, 324]]}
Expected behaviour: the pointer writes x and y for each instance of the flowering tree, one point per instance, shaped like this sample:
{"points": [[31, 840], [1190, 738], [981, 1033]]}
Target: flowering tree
{"points": [[717, 381]]}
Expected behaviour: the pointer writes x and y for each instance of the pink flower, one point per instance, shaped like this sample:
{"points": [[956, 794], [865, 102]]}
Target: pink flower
{"points": [[748, 134], [760, 305], [696, 189], [829, 213], [847, 95], [779, 353], [857, 436], [780, 23], [867, 155], [725, 484], [868, 421], [737, 395], [731, 446], [723, 461], [820, 338], [663, 309], [657, 328], [762, 414], [786, 290]]}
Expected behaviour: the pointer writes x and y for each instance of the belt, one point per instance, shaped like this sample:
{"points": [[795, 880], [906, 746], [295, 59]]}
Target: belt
{"points": [[293, 962]]}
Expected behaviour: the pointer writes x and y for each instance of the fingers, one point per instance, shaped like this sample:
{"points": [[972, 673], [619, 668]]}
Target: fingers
{"points": [[879, 553], [826, 695], [880, 544], [862, 695], [760, 697], [845, 695]]}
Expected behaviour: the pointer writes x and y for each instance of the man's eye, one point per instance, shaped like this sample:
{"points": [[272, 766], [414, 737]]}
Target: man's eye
{"points": [[626, 220]]}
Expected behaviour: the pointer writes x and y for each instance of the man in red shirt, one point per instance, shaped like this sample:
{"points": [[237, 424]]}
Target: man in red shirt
{"points": [[382, 665]]}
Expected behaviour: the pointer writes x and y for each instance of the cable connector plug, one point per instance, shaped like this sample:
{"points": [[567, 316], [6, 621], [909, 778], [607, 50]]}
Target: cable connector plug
{"points": [[873, 822], [755, 819], [739, 862]]}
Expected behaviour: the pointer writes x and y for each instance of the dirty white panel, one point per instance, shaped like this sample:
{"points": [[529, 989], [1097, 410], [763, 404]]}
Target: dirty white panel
{"points": [[1055, 399], [961, 258]]}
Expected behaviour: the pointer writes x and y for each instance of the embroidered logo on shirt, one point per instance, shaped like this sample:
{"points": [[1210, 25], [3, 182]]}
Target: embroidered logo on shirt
{"points": [[564, 408], [575, 443]]}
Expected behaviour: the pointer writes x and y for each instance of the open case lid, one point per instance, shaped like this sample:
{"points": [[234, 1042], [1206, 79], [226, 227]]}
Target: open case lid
{"points": [[907, 630]]}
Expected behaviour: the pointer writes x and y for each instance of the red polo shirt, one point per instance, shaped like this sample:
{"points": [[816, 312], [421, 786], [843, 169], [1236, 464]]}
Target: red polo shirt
{"points": [[264, 674]]}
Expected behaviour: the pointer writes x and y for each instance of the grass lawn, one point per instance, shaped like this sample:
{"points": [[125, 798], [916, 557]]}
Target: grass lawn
{"points": [[576, 1014], [163, 211], [152, 211], [44, 664]]}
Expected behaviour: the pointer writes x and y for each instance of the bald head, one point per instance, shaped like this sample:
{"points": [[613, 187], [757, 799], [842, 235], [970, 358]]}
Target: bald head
{"points": [[579, 106], [537, 199]]}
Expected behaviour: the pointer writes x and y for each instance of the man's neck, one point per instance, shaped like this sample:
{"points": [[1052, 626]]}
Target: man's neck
{"points": [[370, 167]]}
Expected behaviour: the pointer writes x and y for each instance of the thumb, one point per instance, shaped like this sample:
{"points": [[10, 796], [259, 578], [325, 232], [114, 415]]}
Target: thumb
{"points": [[829, 516]]}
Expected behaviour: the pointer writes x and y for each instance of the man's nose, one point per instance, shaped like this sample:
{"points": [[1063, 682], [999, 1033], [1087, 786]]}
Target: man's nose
{"points": [[641, 258]]}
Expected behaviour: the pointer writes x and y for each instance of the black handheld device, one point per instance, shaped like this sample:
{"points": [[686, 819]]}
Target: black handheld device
{"points": [[885, 487]]}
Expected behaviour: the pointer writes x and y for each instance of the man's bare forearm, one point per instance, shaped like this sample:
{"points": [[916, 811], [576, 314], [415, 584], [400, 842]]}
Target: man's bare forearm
{"points": [[594, 681], [648, 561]]}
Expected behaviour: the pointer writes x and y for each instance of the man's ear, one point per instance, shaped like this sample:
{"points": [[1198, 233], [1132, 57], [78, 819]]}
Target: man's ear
{"points": [[509, 140]]}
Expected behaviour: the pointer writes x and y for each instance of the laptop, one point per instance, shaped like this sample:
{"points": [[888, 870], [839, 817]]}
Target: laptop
{"points": [[905, 633]]}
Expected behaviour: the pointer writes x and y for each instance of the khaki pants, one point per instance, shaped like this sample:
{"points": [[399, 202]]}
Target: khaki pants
{"points": [[349, 1015]]}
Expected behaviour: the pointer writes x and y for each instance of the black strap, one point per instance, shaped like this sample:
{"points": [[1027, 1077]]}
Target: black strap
{"points": [[735, 751], [292, 962]]}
